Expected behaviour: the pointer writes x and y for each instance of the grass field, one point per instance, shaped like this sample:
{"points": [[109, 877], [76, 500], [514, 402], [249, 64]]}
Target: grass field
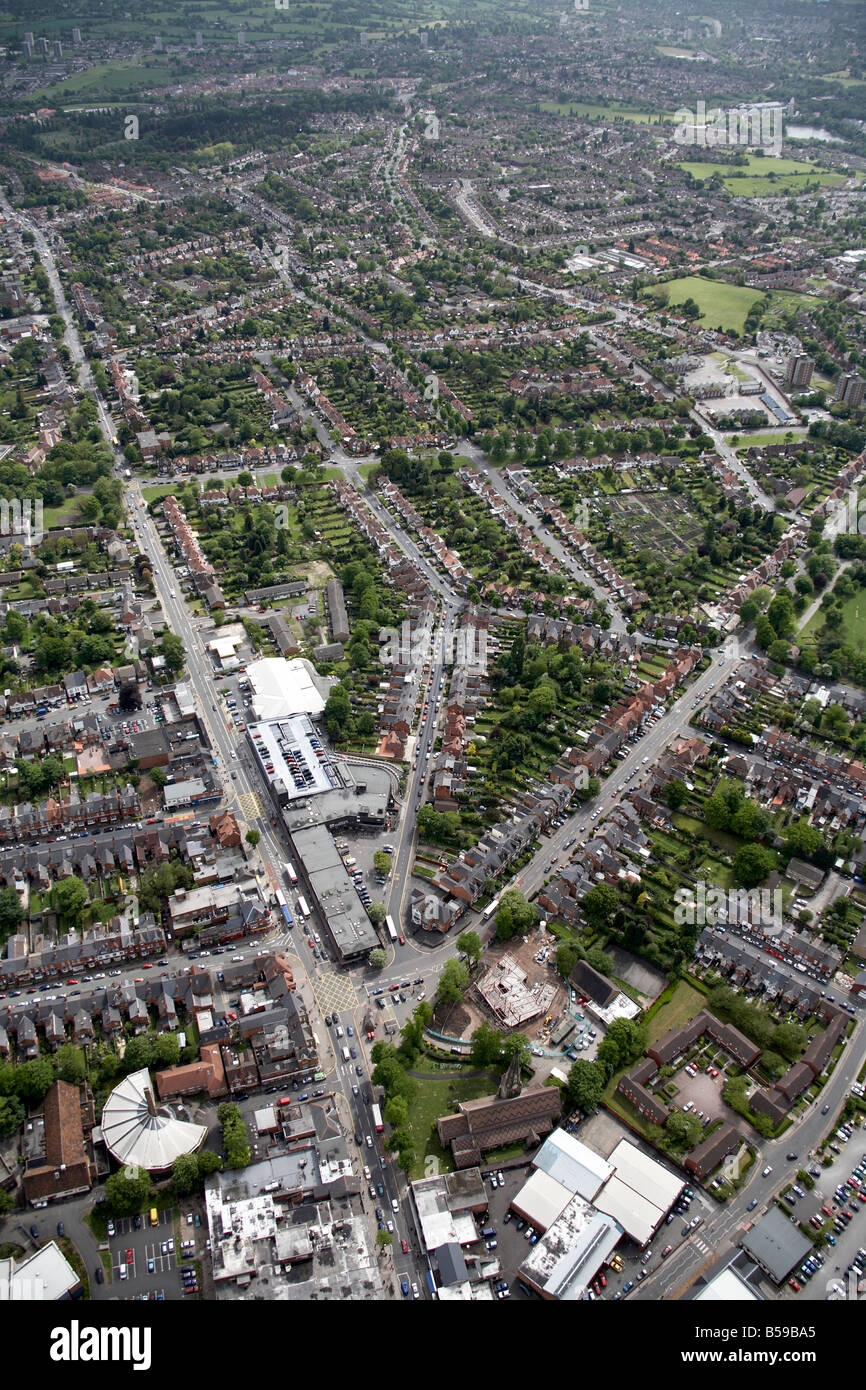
{"points": [[761, 176], [683, 1006], [853, 623], [755, 165], [766, 437], [723, 304], [64, 515], [611, 113], [436, 1098], [150, 494], [113, 80]]}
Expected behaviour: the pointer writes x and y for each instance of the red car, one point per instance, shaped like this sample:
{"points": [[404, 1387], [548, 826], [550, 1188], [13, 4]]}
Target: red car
{"points": [[310, 942], [129, 1257], [667, 1250], [404, 1245]]}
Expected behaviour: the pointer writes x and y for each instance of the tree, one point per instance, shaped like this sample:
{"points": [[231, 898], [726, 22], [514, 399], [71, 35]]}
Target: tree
{"points": [[69, 1064], [773, 1063], [236, 1139], [68, 898], [252, 837], [586, 1083], [166, 1050], [486, 1046], [802, 839], [788, 1039], [382, 863], [452, 981], [12, 1115], [516, 1043], [34, 1078], [567, 956], [751, 865], [11, 912], [676, 793], [384, 1238], [684, 1130], [173, 651], [376, 913], [397, 1111], [600, 904], [470, 945], [599, 960], [623, 1042], [127, 1191], [377, 958], [514, 916], [208, 1162], [185, 1174]]}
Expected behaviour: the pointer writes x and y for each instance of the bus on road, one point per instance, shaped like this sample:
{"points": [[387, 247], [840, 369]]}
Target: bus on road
{"points": [[284, 907], [289, 871], [302, 908], [392, 930], [377, 1119], [490, 909]]}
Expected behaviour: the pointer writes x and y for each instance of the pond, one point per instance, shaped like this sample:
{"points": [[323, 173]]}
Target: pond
{"points": [[811, 132]]}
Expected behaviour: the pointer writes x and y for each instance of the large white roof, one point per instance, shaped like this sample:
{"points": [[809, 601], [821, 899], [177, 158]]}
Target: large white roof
{"points": [[139, 1135], [637, 1215], [542, 1199], [646, 1175], [727, 1287], [281, 688], [571, 1163]]}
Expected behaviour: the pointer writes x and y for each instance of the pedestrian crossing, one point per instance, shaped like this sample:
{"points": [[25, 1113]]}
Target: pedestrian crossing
{"points": [[334, 991], [701, 1245], [251, 805]]}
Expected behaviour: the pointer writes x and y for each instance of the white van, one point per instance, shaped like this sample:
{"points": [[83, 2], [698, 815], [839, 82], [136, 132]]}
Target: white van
{"points": [[122, 1271], [347, 1056]]}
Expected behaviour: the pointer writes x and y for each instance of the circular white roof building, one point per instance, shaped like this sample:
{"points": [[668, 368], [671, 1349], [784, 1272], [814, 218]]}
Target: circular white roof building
{"points": [[139, 1135]]}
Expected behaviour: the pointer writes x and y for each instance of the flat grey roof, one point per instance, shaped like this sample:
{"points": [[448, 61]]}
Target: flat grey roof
{"points": [[776, 1244]]}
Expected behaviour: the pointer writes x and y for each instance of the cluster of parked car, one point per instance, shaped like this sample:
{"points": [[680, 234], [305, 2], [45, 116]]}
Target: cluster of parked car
{"points": [[807, 1270], [682, 1206], [190, 1282]]}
